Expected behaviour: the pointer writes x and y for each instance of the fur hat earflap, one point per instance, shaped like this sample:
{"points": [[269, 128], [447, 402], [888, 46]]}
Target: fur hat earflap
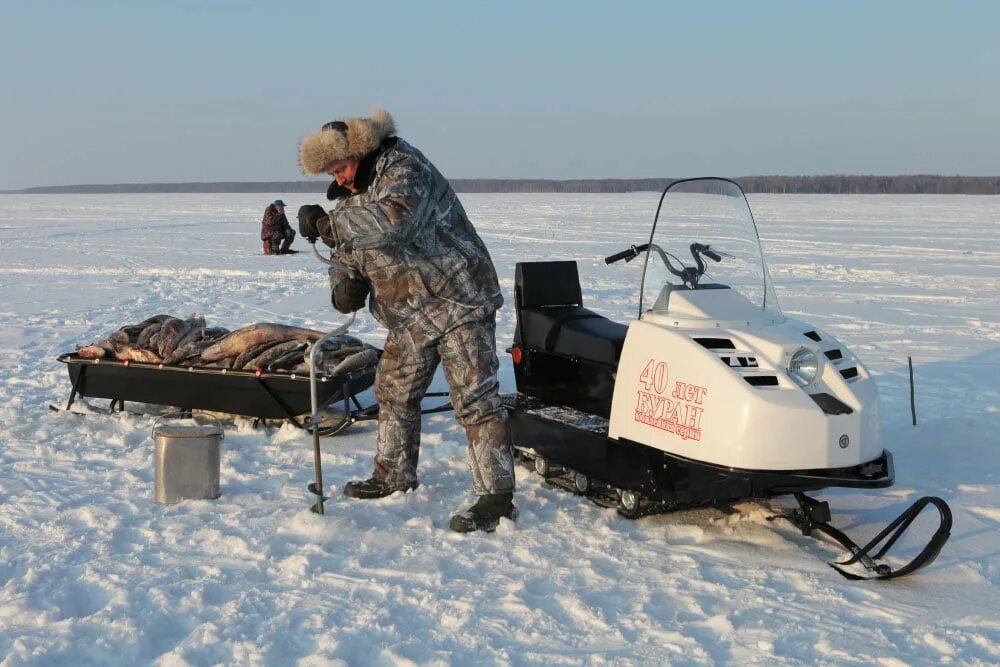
{"points": [[351, 137]]}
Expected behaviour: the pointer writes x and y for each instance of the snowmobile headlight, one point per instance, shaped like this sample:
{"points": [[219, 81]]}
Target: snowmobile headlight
{"points": [[803, 366]]}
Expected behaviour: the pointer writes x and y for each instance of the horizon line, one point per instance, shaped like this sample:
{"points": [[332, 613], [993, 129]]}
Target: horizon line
{"points": [[874, 183]]}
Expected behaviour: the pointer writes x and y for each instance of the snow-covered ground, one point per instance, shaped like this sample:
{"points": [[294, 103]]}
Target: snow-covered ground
{"points": [[93, 572]]}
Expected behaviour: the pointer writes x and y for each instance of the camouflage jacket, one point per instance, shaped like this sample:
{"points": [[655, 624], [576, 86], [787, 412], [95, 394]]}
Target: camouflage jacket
{"points": [[273, 224], [408, 235]]}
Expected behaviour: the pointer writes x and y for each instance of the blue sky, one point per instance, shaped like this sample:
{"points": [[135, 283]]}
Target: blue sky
{"points": [[132, 91]]}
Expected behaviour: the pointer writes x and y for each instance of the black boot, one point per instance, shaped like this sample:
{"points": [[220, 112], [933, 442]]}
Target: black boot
{"points": [[375, 488], [485, 515]]}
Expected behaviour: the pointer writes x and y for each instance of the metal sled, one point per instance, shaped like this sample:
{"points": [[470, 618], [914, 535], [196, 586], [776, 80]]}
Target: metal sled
{"points": [[262, 395]]}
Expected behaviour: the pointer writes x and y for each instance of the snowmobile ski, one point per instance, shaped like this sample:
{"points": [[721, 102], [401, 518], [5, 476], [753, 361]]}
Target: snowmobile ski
{"points": [[814, 515]]}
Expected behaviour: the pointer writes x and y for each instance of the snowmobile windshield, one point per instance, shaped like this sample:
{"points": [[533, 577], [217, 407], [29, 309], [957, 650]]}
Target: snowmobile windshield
{"points": [[704, 237]]}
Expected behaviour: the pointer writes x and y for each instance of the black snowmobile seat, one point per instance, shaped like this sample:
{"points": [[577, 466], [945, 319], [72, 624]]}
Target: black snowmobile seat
{"points": [[573, 332], [551, 316]]}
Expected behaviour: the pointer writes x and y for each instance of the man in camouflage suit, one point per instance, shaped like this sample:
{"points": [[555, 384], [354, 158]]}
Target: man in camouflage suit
{"points": [[400, 231], [275, 231]]}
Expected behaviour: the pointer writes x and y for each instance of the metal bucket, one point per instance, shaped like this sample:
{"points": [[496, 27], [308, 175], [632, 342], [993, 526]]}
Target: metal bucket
{"points": [[187, 459]]}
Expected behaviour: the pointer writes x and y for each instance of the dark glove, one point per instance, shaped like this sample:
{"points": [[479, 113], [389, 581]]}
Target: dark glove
{"points": [[309, 217], [346, 292]]}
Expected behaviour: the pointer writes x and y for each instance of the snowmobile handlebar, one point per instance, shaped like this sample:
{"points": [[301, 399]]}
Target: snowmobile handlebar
{"points": [[706, 251], [634, 251], [628, 255], [697, 251], [689, 274]]}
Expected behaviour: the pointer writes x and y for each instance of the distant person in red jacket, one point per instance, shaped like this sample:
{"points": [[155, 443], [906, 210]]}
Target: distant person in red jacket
{"points": [[275, 231]]}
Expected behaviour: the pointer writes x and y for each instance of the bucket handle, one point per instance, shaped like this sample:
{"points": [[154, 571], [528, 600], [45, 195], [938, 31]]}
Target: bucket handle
{"points": [[183, 415]]}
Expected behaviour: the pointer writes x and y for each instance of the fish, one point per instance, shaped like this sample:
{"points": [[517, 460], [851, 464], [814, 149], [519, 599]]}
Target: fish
{"points": [[214, 333], [133, 331], [345, 352], [336, 349], [243, 339], [155, 319], [172, 331], [284, 362], [107, 344], [329, 359], [128, 333], [142, 340], [189, 350], [192, 334], [188, 342], [127, 352], [339, 342], [272, 354], [155, 340], [91, 352], [120, 337], [242, 358], [367, 358], [197, 325], [183, 359]]}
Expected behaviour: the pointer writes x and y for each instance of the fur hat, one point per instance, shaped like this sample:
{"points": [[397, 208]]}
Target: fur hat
{"points": [[351, 137]]}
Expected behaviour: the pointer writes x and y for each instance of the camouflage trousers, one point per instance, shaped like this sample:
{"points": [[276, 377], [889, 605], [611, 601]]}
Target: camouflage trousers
{"points": [[468, 354], [282, 241]]}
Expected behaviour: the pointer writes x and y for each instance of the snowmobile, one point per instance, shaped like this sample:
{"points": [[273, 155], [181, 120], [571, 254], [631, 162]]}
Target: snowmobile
{"points": [[711, 395]]}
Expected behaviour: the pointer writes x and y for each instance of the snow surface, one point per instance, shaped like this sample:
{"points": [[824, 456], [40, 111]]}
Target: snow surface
{"points": [[93, 572]]}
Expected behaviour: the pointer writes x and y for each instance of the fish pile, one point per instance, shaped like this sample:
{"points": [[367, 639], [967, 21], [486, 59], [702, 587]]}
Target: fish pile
{"points": [[164, 339]]}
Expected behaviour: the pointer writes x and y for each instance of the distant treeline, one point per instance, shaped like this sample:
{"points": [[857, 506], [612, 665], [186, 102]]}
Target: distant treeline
{"points": [[831, 184], [914, 184]]}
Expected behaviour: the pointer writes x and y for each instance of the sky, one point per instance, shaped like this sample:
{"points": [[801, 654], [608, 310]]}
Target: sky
{"points": [[133, 91]]}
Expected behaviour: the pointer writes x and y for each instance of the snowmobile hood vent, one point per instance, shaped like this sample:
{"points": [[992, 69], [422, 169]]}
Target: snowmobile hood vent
{"points": [[715, 343], [812, 335], [762, 380], [830, 404], [740, 361]]}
